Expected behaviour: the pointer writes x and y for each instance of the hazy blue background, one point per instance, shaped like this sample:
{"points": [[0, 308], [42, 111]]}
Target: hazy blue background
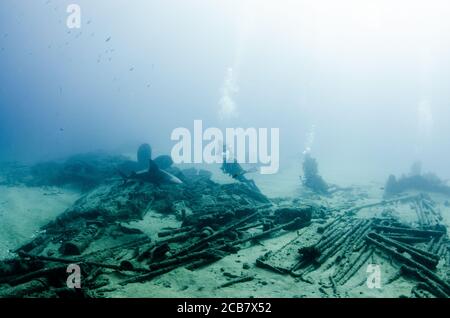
{"points": [[371, 77]]}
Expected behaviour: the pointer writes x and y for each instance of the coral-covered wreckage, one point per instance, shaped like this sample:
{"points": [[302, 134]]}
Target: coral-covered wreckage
{"points": [[416, 180], [218, 220]]}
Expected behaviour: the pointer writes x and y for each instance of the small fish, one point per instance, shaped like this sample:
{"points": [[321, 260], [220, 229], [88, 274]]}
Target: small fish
{"points": [[108, 39]]}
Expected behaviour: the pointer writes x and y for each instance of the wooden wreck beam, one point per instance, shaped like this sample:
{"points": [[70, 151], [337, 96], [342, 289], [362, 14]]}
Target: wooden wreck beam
{"points": [[419, 212], [425, 258], [238, 280], [430, 207], [394, 240], [81, 241], [77, 261], [134, 243], [212, 257], [352, 243], [338, 244], [200, 258], [250, 226], [360, 241], [201, 254], [331, 224], [402, 258], [412, 232], [34, 286], [148, 276], [178, 260], [45, 272], [213, 236], [175, 231], [432, 286], [352, 268], [325, 249], [437, 245], [358, 236], [270, 231], [406, 239], [191, 261], [171, 239], [383, 202], [330, 237]]}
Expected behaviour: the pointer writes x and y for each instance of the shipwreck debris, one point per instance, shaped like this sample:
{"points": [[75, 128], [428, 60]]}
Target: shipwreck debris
{"points": [[311, 178], [417, 181], [217, 220]]}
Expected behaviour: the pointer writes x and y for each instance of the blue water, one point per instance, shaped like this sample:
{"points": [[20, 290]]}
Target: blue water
{"points": [[370, 78]]}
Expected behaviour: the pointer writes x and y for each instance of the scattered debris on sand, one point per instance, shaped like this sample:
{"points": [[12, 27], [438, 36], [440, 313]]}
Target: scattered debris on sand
{"points": [[330, 247]]}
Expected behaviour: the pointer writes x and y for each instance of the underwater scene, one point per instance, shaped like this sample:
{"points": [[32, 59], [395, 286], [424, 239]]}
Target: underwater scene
{"points": [[222, 149]]}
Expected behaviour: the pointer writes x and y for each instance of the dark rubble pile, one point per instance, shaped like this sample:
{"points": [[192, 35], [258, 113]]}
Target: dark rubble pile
{"points": [[13, 173], [82, 172], [415, 181], [216, 220]]}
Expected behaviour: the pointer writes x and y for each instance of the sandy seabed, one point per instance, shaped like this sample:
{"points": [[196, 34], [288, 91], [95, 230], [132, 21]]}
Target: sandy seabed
{"points": [[23, 211]]}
